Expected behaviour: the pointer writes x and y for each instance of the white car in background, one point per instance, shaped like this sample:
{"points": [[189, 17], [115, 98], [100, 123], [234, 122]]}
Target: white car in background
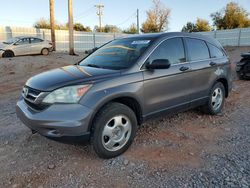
{"points": [[25, 46]]}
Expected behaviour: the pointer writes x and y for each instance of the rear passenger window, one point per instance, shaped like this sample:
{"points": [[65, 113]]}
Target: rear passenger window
{"points": [[35, 40], [197, 49], [214, 51], [171, 49]]}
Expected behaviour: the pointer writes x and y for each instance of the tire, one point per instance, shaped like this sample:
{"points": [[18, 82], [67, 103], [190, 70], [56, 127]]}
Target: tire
{"points": [[8, 53], [216, 99], [45, 51], [245, 69], [114, 129]]}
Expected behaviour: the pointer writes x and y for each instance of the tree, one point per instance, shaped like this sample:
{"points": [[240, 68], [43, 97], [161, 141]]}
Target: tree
{"points": [[157, 18], [189, 27], [199, 26], [80, 27], [131, 30], [230, 17], [108, 29], [202, 25], [42, 23]]}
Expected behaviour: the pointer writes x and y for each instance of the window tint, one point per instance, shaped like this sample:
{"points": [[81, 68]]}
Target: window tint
{"points": [[118, 54], [35, 40], [214, 51], [197, 49], [171, 49]]}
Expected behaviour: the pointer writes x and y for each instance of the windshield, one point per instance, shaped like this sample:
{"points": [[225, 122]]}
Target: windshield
{"points": [[11, 40], [118, 54]]}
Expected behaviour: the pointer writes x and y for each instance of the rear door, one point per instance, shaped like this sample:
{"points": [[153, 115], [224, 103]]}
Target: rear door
{"points": [[202, 69], [36, 45], [167, 89]]}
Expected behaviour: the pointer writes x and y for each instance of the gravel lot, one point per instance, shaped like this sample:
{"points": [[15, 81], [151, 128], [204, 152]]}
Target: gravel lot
{"points": [[189, 149]]}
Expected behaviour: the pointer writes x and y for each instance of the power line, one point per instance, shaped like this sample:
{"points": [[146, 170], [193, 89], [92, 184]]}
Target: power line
{"points": [[83, 13], [131, 16]]}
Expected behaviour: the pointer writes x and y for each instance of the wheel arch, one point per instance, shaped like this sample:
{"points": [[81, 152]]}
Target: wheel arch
{"points": [[129, 101], [224, 81], [9, 50]]}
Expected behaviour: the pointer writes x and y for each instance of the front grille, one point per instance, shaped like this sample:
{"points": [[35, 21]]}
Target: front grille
{"points": [[37, 107], [33, 98]]}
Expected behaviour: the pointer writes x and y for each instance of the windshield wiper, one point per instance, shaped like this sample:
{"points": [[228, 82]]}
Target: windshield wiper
{"points": [[93, 65]]}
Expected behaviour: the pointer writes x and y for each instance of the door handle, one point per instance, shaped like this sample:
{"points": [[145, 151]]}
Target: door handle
{"points": [[184, 69], [212, 64]]}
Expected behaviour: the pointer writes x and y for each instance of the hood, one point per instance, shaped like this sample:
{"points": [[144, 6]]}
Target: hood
{"points": [[68, 75], [3, 46]]}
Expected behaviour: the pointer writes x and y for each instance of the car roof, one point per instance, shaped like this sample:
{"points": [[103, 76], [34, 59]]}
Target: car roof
{"points": [[22, 37], [174, 34]]}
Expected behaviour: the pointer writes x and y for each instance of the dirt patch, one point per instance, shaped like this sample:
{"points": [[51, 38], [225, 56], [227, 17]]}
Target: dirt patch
{"points": [[189, 149]]}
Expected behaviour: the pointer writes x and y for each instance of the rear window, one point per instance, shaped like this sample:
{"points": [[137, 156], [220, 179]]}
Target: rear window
{"points": [[214, 51], [197, 49]]}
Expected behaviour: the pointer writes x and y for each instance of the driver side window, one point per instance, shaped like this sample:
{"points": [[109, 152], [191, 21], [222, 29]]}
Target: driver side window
{"points": [[171, 49]]}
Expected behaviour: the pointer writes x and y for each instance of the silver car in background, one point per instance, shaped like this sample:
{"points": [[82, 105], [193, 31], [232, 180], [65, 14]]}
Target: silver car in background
{"points": [[25, 46]]}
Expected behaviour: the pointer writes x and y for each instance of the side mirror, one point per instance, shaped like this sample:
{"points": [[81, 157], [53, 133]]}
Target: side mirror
{"points": [[16, 44], [159, 64], [91, 51]]}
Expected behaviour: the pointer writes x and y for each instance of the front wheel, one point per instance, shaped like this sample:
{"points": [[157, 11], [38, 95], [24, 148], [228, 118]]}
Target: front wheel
{"points": [[8, 53], [216, 99], [114, 129]]}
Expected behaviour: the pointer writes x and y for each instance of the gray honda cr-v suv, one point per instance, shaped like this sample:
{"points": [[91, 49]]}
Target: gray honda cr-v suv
{"points": [[104, 97]]}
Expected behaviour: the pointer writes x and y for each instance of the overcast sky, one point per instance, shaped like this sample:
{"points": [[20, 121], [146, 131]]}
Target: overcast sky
{"points": [[117, 12]]}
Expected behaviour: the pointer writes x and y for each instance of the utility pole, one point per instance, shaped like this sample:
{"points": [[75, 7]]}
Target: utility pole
{"points": [[71, 28], [138, 23], [52, 24], [100, 14]]}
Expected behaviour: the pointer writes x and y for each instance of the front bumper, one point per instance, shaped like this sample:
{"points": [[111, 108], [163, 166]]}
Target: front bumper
{"points": [[57, 121]]}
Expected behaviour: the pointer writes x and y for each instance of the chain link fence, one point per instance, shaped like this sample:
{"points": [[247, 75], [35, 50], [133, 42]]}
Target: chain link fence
{"points": [[88, 40], [231, 37], [82, 40]]}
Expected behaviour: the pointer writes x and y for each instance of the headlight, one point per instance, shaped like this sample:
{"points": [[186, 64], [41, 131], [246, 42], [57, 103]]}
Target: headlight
{"points": [[71, 94]]}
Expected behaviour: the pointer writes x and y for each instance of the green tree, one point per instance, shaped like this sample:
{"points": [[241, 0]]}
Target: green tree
{"points": [[157, 18], [189, 27], [108, 29], [131, 30], [80, 27], [199, 26], [230, 17]]}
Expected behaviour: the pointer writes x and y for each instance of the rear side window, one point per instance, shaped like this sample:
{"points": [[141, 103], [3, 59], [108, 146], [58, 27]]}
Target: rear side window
{"points": [[214, 51], [171, 49], [197, 49], [35, 40]]}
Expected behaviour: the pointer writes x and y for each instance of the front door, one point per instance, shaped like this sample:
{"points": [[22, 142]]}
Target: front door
{"points": [[21, 47], [167, 90]]}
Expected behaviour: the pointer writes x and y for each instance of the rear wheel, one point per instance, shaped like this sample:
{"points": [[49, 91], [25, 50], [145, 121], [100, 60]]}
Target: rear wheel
{"points": [[8, 53], [114, 129], [216, 99], [45, 51]]}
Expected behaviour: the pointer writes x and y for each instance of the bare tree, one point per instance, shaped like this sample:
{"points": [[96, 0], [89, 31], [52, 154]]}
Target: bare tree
{"points": [[157, 18]]}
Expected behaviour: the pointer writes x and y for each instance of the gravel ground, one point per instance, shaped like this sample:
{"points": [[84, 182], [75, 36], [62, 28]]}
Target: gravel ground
{"points": [[189, 149]]}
